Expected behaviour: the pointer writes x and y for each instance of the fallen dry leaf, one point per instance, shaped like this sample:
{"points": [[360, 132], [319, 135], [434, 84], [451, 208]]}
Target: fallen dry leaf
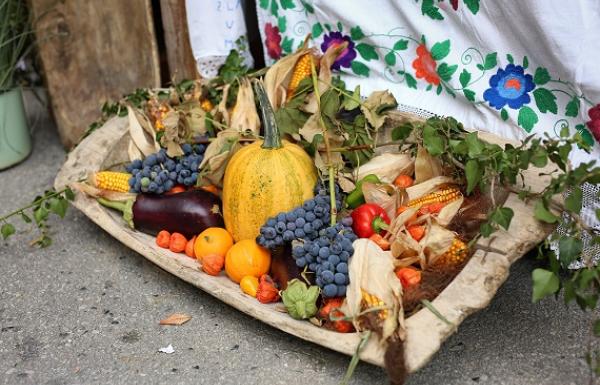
{"points": [[176, 319]]}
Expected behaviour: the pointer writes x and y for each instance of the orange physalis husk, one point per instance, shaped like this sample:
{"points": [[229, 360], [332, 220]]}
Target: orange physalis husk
{"points": [[267, 291]]}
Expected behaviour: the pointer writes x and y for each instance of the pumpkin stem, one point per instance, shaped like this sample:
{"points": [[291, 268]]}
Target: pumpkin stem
{"points": [[272, 138]]}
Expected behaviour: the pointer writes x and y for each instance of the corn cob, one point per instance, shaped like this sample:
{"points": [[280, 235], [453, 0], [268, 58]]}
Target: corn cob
{"points": [[370, 301], [206, 105], [302, 70], [455, 255], [112, 180], [445, 195]]}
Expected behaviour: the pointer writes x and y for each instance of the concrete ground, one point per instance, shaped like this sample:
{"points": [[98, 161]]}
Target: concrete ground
{"points": [[86, 309]]}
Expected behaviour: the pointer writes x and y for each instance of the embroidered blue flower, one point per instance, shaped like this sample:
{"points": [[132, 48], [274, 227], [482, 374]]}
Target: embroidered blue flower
{"points": [[509, 86]]}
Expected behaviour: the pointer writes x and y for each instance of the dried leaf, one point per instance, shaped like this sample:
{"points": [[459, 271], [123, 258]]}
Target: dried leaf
{"points": [[217, 155], [278, 78], [426, 166], [244, 116], [175, 319], [175, 133], [196, 118], [141, 132], [375, 105], [222, 111], [387, 166]]}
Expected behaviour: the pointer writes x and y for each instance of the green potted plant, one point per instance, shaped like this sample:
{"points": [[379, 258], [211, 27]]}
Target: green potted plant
{"points": [[15, 42]]}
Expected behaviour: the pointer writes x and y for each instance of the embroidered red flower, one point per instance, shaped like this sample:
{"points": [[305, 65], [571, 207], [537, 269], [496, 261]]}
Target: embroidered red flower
{"points": [[594, 123], [425, 66], [273, 41]]}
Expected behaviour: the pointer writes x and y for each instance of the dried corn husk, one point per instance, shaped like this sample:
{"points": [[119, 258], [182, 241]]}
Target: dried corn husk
{"points": [[383, 195], [426, 166], [372, 270], [324, 75], [436, 242], [222, 113], [278, 78], [176, 132], [195, 117], [387, 166], [141, 132], [217, 156], [244, 116], [424, 188], [448, 212]]}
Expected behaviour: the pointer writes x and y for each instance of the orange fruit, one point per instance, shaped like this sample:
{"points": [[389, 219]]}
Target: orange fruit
{"points": [[214, 240], [247, 258]]}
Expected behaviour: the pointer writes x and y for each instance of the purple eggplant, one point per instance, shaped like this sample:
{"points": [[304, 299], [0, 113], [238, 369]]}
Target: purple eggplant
{"points": [[188, 213]]}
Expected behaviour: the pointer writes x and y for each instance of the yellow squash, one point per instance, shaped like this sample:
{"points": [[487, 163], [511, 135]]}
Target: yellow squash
{"points": [[265, 178]]}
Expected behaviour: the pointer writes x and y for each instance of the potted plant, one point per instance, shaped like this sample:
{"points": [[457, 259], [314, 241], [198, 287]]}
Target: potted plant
{"points": [[15, 33]]}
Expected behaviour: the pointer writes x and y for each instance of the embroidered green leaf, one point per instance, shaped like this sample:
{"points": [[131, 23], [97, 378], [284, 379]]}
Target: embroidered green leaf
{"points": [[327, 27], [545, 283], [317, 30], [287, 44], [541, 76], [411, 82], [525, 62], [356, 33], [465, 78], [390, 58], [473, 6], [545, 100], [340, 27], [504, 114], [429, 88], [585, 134], [264, 4], [450, 91], [491, 59], [274, 8], [401, 45], [307, 6], [440, 50], [281, 23], [428, 8], [469, 94], [439, 89], [445, 71], [573, 107], [527, 118], [510, 59], [367, 51], [287, 4], [359, 68]]}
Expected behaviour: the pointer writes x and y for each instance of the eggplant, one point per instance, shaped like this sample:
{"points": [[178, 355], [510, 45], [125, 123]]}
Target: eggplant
{"points": [[283, 266], [188, 213]]}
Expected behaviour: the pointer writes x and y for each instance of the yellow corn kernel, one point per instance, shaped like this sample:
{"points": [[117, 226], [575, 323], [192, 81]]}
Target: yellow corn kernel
{"points": [[456, 255], [445, 195], [371, 301], [206, 105], [302, 70], [112, 180]]}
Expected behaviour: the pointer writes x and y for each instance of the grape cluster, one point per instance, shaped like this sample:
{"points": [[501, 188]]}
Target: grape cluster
{"points": [[300, 223], [323, 249], [158, 173], [328, 255]]}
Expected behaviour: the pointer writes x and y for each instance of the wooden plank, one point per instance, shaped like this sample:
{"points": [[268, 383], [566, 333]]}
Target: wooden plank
{"points": [[471, 290], [182, 64], [92, 52]]}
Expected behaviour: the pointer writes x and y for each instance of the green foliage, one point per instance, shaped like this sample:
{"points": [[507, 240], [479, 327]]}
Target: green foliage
{"points": [[15, 42]]}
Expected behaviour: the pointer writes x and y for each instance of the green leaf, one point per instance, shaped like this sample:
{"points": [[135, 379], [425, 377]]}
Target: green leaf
{"points": [[539, 157], [445, 71], [587, 136], [597, 328], [573, 201], [569, 249], [330, 103], [356, 33], [274, 8], [367, 51], [564, 131], [572, 108], [440, 50], [340, 27], [282, 23], [474, 145], [469, 94], [541, 76], [502, 216], [290, 120], [510, 58], [44, 241], [527, 118], [40, 214], [359, 68], [287, 45], [7, 230], [473, 6], [402, 132], [350, 103], [491, 60], [401, 45], [390, 58], [465, 78], [411, 82], [486, 229], [525, 62], [428, 8], [439, 89], [264, 4], [59, 206], [473, 174], [545, 100], [307, 6], [545, 283], [429, 87], [433, 142], [504, 114], [543, 214], [317, 30]]}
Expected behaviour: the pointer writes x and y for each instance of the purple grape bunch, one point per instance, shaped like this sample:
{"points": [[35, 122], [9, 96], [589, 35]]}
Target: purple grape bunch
{"points": [[158, 173]]}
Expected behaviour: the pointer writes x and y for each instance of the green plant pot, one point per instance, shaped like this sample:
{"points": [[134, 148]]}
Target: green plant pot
{"points": [[15, 141]]}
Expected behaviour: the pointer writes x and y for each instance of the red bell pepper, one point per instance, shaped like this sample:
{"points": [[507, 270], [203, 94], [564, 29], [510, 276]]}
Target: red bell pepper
{"points": [[369, 219]]}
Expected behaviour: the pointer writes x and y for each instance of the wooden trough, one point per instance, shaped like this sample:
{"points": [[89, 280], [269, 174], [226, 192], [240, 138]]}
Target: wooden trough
{"points": [[469, 292]]}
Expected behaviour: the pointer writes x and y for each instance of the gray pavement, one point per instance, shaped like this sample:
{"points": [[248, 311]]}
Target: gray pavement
{"points": [[86, 309]]}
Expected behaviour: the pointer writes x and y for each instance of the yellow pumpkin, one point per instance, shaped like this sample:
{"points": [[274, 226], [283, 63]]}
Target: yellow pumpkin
{"points": [[265, 178]]}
